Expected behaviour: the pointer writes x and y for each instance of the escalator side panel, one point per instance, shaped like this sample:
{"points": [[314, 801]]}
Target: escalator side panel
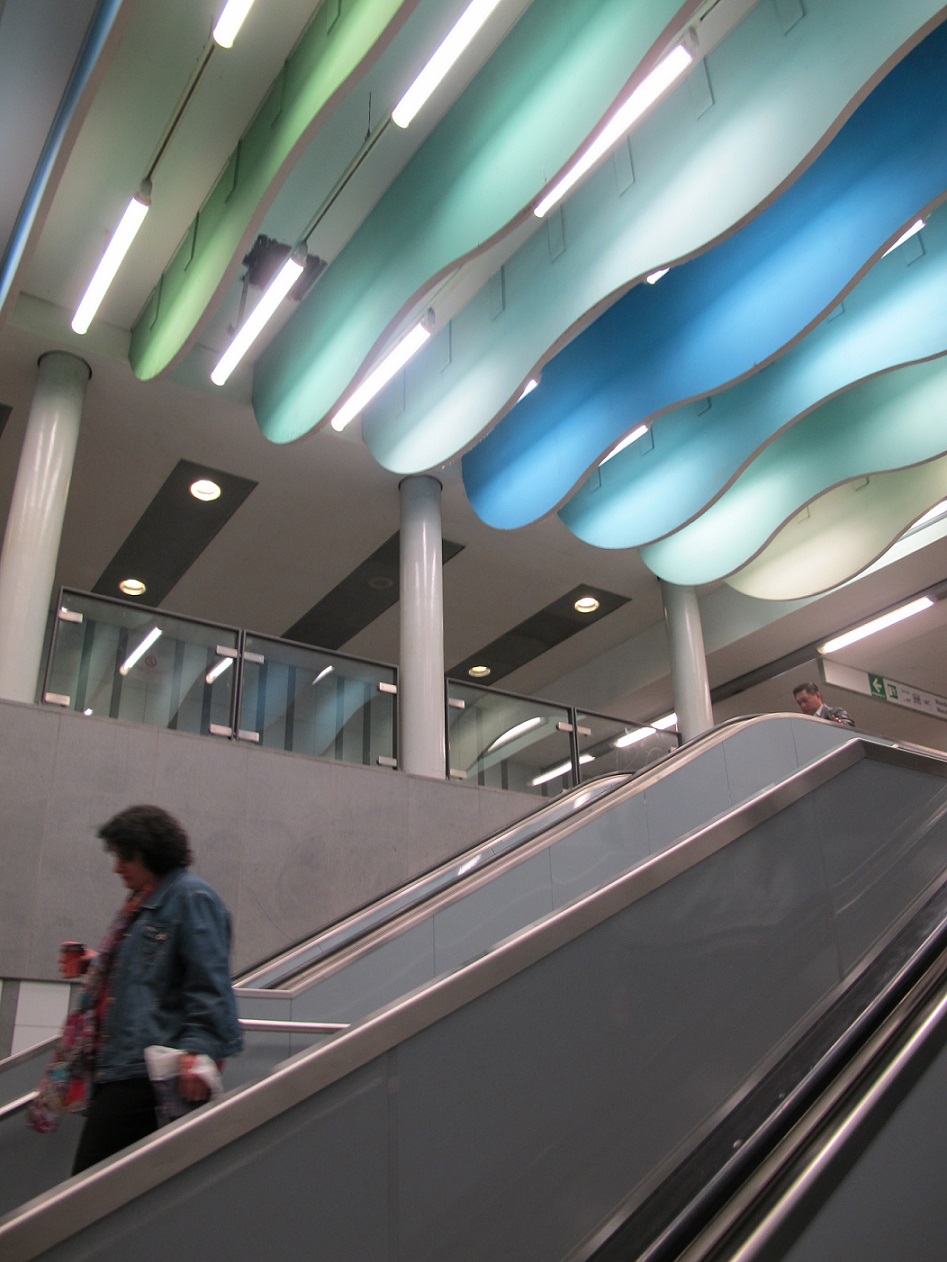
{"points": [[869, 871]]}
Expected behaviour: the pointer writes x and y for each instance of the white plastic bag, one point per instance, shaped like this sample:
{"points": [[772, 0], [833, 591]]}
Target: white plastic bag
{"points": [[162, 1063]]}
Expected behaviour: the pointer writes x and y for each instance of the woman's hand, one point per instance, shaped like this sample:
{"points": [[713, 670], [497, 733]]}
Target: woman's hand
{"points": [[191, 1085], [74, 960]]}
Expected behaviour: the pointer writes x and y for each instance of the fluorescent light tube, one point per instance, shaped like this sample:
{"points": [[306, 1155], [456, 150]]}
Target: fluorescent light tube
{"points": [[215, 672], [914, 229], [230, 21], [380, 376], [644, 96], [256, 321], [665, 722], [633, 738], [931, 515], [143, 648], [654, 277], [528, 388], [877, 624], [638, 432], [511, 733], [326, 670], [122, 238], [560, 770], [457, 39]]}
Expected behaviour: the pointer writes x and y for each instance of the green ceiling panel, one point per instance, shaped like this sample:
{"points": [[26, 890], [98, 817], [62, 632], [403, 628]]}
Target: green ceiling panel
{"points": [[529, 109], [845, 531], [775, 99], [332, 51], [890, 422], [895, 316]]}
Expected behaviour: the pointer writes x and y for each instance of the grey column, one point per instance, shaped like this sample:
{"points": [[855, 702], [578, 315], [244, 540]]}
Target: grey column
{"points": [[688, 661], [421, 699], [34, 527]]}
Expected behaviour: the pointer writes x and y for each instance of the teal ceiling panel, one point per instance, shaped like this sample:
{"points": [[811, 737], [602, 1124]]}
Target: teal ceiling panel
{"points": [[548, 86], [843, 533], [896, 315], [890, 422], [331, 54], [775, 100], [723, 315]]}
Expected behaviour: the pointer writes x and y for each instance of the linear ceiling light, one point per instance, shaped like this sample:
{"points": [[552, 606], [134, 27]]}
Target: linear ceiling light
{"points": [[633, 737], [380, 376], [143, 648], [914, 229], [563, 769], [877, 624], [638, 432], [653, 277], [215, 672], [256, 321], [457, 39], [511, 733], [662, 77], [230, 21], [122, 238]]}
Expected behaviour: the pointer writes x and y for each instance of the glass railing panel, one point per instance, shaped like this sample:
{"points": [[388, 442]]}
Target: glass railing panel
{"points": [[608, 745], [130, 662], [503, 741], [307, 701]]}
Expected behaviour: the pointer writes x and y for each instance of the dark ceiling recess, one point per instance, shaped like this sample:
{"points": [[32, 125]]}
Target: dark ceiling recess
{"points": [[5, 411], [359, 599], [540, 632], [173, 531]]}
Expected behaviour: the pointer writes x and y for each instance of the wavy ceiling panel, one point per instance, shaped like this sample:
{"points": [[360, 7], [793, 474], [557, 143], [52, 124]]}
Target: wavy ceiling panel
{"points": [[890, 422], [329, 56], [842, 534], [722, 315], [896, 315], [775, 97], [553, 79]]}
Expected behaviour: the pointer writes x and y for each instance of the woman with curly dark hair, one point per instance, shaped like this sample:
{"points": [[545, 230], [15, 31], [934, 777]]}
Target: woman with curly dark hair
{"points": [[160, 978]]}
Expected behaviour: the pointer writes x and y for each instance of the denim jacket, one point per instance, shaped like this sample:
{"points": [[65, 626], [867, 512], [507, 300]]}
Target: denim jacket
{"points": [[170, 981]]}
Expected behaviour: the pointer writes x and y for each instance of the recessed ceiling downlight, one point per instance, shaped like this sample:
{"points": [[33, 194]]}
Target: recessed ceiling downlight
{"points": [[479, 672], [206, 490], [586, 604], [132, 587]]}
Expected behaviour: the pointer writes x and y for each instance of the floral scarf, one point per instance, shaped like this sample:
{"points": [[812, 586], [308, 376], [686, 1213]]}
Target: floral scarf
{"points": [[65, 1085]]}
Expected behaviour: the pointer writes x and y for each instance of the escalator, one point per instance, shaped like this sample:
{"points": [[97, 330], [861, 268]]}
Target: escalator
{"points": [[521, 1091]]}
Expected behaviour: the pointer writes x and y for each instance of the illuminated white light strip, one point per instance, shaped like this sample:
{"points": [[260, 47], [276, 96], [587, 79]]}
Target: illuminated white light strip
{"points": [[511, 733], [230, 22], [143, 647], [668, 720], [118, 247], [256, 321], [457, 39], [528, 389], [931, 515], [654, 277], [644, 96], [632, 738], [326, 670], [914, 229], [561, 770], [638, 432], [380, 376], [877, 624], [216, 671]]}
